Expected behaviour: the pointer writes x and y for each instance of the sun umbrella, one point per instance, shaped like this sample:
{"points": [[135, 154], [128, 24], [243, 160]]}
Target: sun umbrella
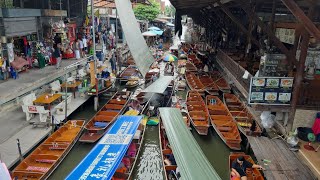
{"points": [[170, 24], [157, 32], [170, 58], [154, 28], [149, 33]]}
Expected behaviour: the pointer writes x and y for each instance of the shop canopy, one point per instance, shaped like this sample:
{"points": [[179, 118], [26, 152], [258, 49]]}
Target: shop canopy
{"points": [[137, 45], [149, 33], [104, 159], [4, 173], [158, 32], [191, 161], [160, 85], [153, 28]]}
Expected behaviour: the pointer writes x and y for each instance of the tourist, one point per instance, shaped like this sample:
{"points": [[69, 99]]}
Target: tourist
{"points": [[253, 127], [113, 61], [57, 55], [81, 48], [239, 166], [76, 49], [85, 45]]}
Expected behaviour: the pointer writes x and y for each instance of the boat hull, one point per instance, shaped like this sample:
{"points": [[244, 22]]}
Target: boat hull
{"points": [[105, 117], [197, 112], [223, 122], [42, 162]]}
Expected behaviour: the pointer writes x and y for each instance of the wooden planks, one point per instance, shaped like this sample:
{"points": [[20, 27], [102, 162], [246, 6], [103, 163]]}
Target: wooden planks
{"points": [[284, 163]]}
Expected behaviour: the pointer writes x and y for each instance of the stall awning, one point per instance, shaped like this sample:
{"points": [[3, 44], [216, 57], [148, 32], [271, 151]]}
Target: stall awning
{"points": [[138, 46], [160, 85], [104, 159], [190, 159]]}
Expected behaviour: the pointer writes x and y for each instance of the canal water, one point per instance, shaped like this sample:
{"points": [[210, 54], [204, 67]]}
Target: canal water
{"points": [[149, 165]]}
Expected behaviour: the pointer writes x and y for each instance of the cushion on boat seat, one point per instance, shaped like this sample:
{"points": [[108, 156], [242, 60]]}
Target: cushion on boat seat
{"points": [[36, 168], [101, 124]]}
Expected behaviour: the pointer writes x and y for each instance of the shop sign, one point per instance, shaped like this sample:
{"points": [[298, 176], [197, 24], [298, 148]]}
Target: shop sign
{"points": [[270, 90]]}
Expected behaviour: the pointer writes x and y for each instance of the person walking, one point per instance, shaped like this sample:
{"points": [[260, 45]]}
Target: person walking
{"points": [[113, 61], [76, 49], [85, 45], [57, 55], [81, 47]]}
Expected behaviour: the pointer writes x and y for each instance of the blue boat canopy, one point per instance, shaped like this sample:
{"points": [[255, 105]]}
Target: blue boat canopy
{"points": [[191, 161], [104, 159]]}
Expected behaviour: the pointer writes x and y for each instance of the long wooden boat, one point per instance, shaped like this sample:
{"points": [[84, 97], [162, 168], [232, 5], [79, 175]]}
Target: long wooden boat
{"points": [[130, 158], [169, 167], [127, 73], [93, 90], [47, 157], [194, 83], [198, 113], [190, 67], [252, 174], [210, 86], [197, 62], [223, 122], [98, 125], [241, 114], [221, 82]]}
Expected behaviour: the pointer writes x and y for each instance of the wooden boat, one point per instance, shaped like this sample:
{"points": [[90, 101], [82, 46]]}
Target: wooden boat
{"points": [[98, 125], [190, 67], [168, 166], [154, 71], [47, 157], [210, 86], [194, 83], [223, 122], [197, 112], [130, 158], [194, 60], [127, 73], [252, 174], [221, 82], [241, 114], [132, 84], [101, 89]]}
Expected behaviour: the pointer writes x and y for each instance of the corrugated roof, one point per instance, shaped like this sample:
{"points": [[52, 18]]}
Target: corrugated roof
{"points": [[192, 163], [138, 46], [160, 85]]}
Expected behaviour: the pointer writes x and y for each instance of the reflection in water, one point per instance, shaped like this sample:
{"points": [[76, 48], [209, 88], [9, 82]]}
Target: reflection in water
{"points": [[149, 164]]}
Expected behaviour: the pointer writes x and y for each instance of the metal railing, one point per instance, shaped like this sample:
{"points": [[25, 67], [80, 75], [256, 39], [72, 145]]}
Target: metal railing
{"points": [[234, 68]]}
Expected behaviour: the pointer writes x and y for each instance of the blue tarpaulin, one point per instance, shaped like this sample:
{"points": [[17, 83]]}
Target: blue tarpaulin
{"points": [[104, 159]]}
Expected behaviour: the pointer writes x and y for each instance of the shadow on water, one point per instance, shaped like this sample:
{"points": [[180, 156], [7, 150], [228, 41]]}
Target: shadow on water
{"points": [[215, 150]]}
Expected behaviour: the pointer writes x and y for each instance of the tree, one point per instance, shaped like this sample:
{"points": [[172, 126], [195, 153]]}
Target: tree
{"points": [[170, 11], [147, 12]]}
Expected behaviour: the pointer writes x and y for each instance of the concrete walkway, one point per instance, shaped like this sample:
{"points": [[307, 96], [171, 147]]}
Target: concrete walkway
{"points": [[30, 80]]}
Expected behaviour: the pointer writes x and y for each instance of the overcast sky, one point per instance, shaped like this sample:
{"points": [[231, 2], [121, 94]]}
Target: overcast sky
{"points": [[167, 2]]}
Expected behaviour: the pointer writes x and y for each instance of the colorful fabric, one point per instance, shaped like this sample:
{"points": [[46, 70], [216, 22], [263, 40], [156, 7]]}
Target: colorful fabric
{"points": [[316, 126]]}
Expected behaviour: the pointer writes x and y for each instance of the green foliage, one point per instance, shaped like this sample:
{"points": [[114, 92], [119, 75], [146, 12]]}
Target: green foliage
{"points": [[170, 11], [147, 12]]}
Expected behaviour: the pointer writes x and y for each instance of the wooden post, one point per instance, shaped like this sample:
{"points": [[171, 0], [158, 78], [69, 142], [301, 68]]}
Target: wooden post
{"points": [[299, 14], [300, 72]]}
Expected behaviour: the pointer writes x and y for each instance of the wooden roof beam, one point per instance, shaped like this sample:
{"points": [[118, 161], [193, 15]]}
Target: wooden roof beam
{"points": [[272, 36], [299, 14], [237, 22]]}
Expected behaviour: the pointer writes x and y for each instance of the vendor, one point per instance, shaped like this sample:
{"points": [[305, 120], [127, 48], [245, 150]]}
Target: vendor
{"points": [[239, 167]]}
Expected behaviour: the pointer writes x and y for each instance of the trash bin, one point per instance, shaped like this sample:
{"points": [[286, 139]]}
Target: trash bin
{"points": [[41, 60]]}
